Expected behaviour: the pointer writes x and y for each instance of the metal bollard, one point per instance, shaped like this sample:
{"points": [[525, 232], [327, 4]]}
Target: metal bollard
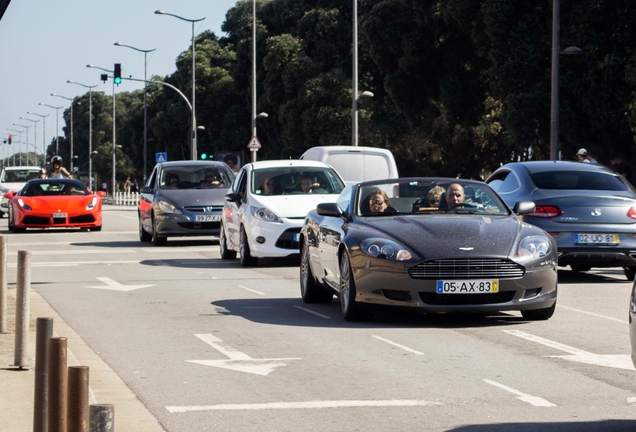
{"points": [[44, 331], [102, 418], [78, 398], [4, 313], [23, 285], [58, 384]]}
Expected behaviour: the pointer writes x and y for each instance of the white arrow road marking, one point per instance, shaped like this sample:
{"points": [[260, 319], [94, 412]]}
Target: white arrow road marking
{"points": [[305, 405], [618, 361], [532, 400], [116, 286], [239, 361]]}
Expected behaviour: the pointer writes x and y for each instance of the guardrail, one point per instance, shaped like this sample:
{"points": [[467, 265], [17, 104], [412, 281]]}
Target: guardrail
{"points": [[123, 198]]}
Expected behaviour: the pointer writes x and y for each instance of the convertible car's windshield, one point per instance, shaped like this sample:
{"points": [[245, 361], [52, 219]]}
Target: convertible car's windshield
{"points": [[54, 187], [439, 196]]}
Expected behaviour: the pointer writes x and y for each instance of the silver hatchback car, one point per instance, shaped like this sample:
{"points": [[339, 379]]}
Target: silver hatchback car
{"points": [[588, 209]]}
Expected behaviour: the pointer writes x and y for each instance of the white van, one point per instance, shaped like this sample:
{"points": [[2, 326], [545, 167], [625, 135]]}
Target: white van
{"points": [[13, 178], [356, 164]]}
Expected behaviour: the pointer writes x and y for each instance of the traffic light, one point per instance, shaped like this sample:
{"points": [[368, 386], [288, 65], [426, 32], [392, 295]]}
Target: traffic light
{"points": [[104, 77], [10, 138], [117, 73], [204, 156]]}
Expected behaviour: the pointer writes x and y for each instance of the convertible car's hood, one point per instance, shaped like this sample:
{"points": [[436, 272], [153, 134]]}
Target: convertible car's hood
{"points": [[58, 204], [291, 206], [452, 235], [194, 197]]}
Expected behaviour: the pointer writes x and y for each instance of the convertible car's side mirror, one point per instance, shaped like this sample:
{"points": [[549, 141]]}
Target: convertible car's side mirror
{"points": [[233, 197], [10, 195], [524, 207], [329, 209]]}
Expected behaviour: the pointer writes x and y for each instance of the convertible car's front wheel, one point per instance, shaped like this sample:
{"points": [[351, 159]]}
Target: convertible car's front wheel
{"points": [[539, 314], [310, 291], [351, 310], [226, 254]]}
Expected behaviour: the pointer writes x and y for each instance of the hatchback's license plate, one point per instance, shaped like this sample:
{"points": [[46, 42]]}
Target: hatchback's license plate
{"points": [[207, 218], [59, 215], [611, 239], [476, 286]]}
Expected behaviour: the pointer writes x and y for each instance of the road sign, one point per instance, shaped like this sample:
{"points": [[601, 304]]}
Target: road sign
{"points": [[254, 143], [161, 157]]}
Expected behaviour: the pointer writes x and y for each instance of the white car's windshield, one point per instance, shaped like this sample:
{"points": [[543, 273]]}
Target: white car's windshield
{"points": [[296, 180], [19, 175]]}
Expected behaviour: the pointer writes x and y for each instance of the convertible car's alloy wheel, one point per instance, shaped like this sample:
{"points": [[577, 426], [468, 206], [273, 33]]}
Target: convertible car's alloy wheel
{"points": [[156, 240], [247, 260], [226, 254], [310, 291], [351, 310], [143, 235]]}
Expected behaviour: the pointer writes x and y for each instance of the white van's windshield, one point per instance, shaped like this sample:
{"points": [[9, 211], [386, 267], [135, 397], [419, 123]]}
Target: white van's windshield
{"points": [[20, 175]]}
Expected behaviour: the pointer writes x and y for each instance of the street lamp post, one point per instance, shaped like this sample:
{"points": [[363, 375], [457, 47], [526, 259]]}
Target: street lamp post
{"points": [[43, 134], [27, 140], [145, 102], [71, 100], [194, 121], [35, 132], [90, 130], [57, 128]]}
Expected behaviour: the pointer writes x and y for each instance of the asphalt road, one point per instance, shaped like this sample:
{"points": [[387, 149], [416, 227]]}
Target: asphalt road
{"points": [[209, 346]]}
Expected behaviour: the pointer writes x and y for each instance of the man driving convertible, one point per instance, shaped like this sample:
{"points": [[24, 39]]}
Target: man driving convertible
{"points": [[454, 195]]}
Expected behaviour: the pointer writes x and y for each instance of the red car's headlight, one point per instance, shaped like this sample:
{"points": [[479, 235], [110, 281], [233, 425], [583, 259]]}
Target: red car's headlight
{"points": [[24, 205], [92, 204]]}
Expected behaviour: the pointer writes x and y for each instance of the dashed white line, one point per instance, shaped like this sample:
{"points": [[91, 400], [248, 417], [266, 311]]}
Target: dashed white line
{"points": [[622, 321], [73, 263], [312, 312], [304, 405], [532, 400], [250, 289], [405, 348]]}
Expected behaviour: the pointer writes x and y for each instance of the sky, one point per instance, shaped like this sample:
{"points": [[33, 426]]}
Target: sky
{"points": [[45, 43]]}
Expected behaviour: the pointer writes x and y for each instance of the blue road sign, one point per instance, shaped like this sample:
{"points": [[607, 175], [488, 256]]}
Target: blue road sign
{"points": [[161, 157]]}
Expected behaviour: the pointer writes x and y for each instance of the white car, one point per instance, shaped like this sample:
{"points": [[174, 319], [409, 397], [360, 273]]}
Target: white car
{"points": [[267, 204], [13, 178]]}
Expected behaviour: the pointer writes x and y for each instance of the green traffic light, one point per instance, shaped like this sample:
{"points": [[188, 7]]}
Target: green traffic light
{"points": [[204, 156], [117, 80]]}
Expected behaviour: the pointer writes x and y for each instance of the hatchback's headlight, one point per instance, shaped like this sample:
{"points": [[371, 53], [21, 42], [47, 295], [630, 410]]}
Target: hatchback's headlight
{"points": [[92, 204], [166, 207], [24, 205], [534, 247], [384, 248], [265, 214]]}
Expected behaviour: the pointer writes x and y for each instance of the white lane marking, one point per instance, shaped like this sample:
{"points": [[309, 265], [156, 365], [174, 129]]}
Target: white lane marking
{"points": [[76, 252], [617, 361], [250, 289], [312, 312], [305, 405], [405, 348], [622, 321], [631, 400], [239, 361], [74, 263], [116, 286], [532, 400]]}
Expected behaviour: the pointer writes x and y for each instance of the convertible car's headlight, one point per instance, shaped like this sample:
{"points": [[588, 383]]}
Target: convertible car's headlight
{"points": [[534, 246], [24, 205], [166, 207], [92, 204], [384, 248], [265, 214]]}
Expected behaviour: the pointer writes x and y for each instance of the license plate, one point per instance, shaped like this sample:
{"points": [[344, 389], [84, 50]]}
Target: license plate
{"points": [[207, 218], [611, 239], [59, 215], [297, 237], [477, 286]]}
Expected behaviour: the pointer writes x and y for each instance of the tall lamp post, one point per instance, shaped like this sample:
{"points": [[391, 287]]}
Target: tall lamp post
{"points": [[43, 134], [20, 147], [254, 115], [71, 100], [35, 132], [57, 128], [194, 121], [90, 130], [354, 80], [27, 140], [145, 101], [114, 124], [554, 100]]}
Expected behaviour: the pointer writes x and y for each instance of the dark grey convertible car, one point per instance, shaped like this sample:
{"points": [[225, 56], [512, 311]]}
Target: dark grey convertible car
{"points": [[588, 209], [383, 244]]}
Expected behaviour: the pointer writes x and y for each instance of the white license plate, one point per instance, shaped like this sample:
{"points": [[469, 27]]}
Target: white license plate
{"points": [[476, 286], [59, 215], [207, 218], [611, 239]]}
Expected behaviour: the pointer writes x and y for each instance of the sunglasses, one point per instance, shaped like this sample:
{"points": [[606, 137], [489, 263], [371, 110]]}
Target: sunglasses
{"points": [[433, 201], [376, 201]]}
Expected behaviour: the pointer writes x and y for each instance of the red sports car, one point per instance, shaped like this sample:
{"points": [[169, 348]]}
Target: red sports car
{"points": [[55, 203]]}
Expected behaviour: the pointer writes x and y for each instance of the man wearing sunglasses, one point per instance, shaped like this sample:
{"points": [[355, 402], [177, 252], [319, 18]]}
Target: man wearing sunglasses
{"points": [[210, 180]]}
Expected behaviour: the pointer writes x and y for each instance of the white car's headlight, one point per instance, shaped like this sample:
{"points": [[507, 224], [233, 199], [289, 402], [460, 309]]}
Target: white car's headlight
{"points": [[92, 204], [166, 207], [534, 247], [24, 205], [265, 214], [384, 248]]}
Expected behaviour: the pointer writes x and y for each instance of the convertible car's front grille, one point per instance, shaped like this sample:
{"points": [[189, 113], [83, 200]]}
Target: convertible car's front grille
{"points": [[467, 268], [36, 220], [466, 299], [88, 218], [204, 209]]}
